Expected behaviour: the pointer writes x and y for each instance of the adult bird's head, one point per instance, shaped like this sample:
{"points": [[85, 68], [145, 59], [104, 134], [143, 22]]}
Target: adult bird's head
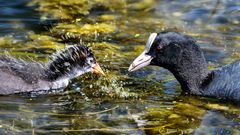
{"points": [[164, 49]]}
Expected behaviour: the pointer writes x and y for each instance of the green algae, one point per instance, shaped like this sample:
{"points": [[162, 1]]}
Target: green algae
{"points": [[29, 47], [116, 31], [69, 9], [85, 32], [61, 9], [110, 52], [121, 21], [109, 85], [185, 116], [5, 41], [107, 17], [144, 5]]}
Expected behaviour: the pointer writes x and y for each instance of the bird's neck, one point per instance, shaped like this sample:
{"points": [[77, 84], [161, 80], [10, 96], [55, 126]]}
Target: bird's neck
{"points": [[53, 76], [63, 72], [191, 72], [54, 73]]}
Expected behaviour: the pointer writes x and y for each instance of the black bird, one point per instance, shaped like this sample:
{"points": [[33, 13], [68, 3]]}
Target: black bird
{"points": [[18, 76], [182, 56]]}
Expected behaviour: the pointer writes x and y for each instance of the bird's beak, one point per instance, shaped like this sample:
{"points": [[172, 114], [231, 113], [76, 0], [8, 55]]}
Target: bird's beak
{"points": [[97, 70], [141, 61]]}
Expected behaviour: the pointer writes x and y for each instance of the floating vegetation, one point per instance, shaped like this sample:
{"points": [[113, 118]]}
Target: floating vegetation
{"points": [[69, 9], [106, 86], [86, 32], [29, 46], [7, 40], [116, 31], [188, 115], [143, 5]]}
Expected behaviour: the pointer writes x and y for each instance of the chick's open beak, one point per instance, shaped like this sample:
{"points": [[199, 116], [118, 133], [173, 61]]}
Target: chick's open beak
{"points": [[140, 62], [97, 70]]}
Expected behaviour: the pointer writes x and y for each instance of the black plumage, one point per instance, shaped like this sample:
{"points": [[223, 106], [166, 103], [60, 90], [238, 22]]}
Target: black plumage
{"points": [[68, 61], [182, 56]]}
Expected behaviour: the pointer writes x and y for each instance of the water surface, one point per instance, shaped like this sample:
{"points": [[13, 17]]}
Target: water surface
{"points": [[147, 101]]}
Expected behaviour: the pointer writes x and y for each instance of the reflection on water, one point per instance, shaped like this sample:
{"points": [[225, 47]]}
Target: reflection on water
{"points": [[60, 114], [16, 18], [215, 123], [84, 108]]}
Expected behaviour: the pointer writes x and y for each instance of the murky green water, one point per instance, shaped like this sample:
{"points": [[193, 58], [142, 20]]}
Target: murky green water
{"points": [[147, 101]]}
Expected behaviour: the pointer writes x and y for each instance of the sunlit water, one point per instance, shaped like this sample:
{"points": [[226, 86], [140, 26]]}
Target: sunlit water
{"points": [[159, 109]]}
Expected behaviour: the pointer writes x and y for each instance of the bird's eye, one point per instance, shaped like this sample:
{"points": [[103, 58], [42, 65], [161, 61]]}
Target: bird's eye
{"points": [[159, 47]]}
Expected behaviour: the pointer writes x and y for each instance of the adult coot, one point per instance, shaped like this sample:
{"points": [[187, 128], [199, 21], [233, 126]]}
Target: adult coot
{"points": [[17, 76], [182, 56]]}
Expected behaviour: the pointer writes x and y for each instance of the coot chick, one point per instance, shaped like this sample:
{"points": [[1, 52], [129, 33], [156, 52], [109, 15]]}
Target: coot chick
{"points": [[18, 76], [182, 56]]}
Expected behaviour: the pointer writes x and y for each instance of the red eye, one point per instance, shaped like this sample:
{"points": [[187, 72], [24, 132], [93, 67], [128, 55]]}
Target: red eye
{"points": [[159, 47]]}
